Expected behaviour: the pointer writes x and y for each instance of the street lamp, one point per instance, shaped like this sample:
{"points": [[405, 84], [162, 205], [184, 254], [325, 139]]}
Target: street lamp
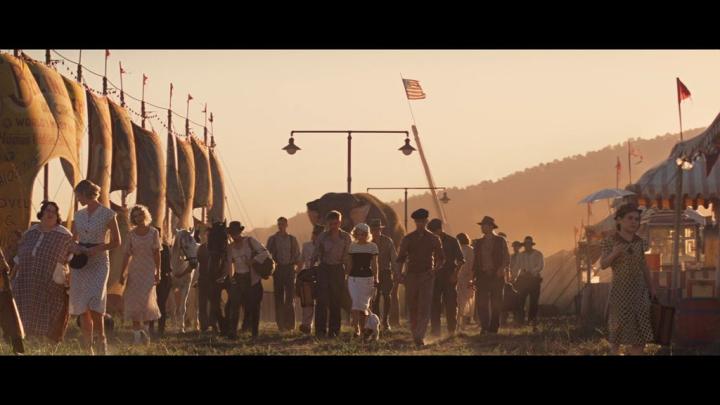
{"points": [[407, 149], [291, 148], [445, 199], [682, 165]]}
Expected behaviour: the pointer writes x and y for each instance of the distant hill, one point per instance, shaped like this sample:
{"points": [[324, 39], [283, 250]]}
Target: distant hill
{"points": [[540, 201]]}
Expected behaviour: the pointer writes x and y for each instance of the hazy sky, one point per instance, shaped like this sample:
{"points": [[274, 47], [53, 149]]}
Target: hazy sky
{"points": [[487, 113]]}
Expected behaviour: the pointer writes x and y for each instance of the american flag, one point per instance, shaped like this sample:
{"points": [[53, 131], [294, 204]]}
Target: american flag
{"points": [[413, 89]]}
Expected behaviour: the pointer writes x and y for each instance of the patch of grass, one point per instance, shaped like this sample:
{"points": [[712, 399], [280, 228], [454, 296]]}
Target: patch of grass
{"points": [[560, 335]]}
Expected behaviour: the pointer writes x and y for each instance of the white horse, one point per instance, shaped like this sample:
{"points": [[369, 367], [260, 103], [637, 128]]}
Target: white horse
{"points": [[183, 263]]}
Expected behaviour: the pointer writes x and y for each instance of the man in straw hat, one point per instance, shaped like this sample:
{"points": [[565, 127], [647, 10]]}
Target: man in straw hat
{"points": [[420, 254], [491, 259]]}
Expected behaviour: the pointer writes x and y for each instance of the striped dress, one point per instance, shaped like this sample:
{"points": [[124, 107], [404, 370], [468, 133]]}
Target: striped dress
{"points": [[88, 285]]}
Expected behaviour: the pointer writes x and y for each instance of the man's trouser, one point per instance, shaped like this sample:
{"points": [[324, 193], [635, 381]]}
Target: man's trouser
{"points": [[238, 291], [419, 289], [444, 295], [284, 292], [330, 289], [488, 301], [531, 290], [209, 304], [383, 294]]}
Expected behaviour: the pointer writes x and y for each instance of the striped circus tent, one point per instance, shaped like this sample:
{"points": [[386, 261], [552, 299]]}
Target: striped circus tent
{"points": [[656, 187], [706, 143]]}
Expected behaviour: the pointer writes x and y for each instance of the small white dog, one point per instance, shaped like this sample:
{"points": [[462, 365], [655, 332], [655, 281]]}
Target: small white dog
{"points": [[372, 327]]}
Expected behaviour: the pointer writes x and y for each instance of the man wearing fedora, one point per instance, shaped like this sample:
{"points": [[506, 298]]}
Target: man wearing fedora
{"points": [[491, 259], [420, 255], [387, 271], [529, 280], [445, 287]]}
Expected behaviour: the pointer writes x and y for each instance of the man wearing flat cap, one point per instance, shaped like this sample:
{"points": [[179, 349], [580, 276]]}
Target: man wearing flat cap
{"points": [[420, 255], [491, 259], [445, 287], [387, 271], [529, 280]]}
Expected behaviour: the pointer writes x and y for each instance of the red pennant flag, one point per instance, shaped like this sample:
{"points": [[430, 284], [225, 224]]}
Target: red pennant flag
{"points": [[190, 97], [107, 53], [211, 117], [145, 79], [122, 71], [683, 91]]}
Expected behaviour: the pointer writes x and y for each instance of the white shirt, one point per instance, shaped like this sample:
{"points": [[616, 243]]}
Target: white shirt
{"points": [[533, 262], [238, 257], [308, 250]]}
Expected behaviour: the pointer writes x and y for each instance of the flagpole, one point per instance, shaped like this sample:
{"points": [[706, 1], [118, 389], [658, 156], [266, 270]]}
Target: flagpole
{"points": [[46, 168], [426, 167], [166, 223], [122, 89], [142, 104], [205, 140], [105, 74], [676, 287], [680, 116], [629, 166], [187, 117]]}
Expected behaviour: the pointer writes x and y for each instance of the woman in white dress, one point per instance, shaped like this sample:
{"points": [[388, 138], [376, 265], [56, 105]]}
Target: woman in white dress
{"points": [[465, 292], [88, 285], [141, 263], [362, 274]]}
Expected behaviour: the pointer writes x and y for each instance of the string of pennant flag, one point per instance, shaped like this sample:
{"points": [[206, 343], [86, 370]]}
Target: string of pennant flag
{"points": [[114, 90]]}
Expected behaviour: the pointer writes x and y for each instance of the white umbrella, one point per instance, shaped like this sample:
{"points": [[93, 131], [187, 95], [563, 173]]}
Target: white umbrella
{"points": [[606, 194]]}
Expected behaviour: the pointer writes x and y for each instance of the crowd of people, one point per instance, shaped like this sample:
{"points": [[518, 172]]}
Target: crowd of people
{"points": [[59, 273]]}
